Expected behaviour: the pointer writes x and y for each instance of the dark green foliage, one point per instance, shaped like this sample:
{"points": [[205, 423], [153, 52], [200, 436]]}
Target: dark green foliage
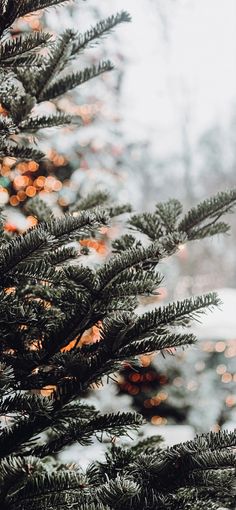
{"points": [[28, 78], [12, 9], [54, 299], [141, 479], [50, 298], [196, 224], [39, 209], [100, 30], [62, 85], [19, 51]]}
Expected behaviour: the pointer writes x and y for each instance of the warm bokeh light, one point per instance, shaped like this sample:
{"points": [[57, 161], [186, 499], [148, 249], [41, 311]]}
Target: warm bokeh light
{"points": [[220, 346], [30, 191], [227, 377]]}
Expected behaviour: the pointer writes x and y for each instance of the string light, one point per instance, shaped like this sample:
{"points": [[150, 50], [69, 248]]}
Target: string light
{"points": [[14, 200], [158, 420], [226, 378], [33, 166], [21, 195], [178, 381], [215, 428], [221, 369], [220, 346], [30, 191], [208, 346], [200, 365], [230, 400], [192, 385], [31, 220]]}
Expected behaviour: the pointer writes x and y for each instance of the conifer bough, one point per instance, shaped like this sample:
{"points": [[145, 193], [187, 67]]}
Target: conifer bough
{"points": [[50, 298], [28, 78]]}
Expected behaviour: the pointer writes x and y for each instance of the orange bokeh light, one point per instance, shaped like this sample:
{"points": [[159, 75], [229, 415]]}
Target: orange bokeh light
{"points": [[30, 191], [33, 166], [14, 200]]}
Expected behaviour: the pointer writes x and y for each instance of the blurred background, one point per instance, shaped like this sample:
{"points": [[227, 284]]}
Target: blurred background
{"points": [[162, 125]]}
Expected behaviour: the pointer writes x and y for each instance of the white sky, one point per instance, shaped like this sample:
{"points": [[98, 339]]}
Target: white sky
{"points": [[181, 63], [193, 71]]}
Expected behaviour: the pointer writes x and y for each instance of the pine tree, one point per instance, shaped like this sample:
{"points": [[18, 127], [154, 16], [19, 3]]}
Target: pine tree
{"points": [[49, 300]]}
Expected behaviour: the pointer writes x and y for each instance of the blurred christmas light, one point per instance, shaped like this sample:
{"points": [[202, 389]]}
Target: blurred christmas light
{"points": [[21, 195], [226, 378], [158, 420], [208, 346], [178, 381], [33, 166], [31, 220], [14, 200], [221, 369], [200, 365], [230, 400], [220, 346], [30, 191], [215, 428]]}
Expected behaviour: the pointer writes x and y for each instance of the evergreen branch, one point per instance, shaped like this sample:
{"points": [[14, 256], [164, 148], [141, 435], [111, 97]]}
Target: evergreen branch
{"points": [[124, 243], [135, 284], [211, 229], [61, 255], [16, 313], [26, 403], [32, 124], [38, 270], [73, 80], [19, 152], [160, 223], [31, 61], [119, 492], [111, 424], [94, 199], [101, 29], [69, 228], [38, 208], [133, 257], [7, 128], [156, 342], [175, 314], [18, 49], [57, 60], [148, 224], [21, 249], [14, 471], [212, 208], [9, 11], [18, 103], [65, 488], [81, 275], [119, 209], [15, 438], [29, 6], [7, 380], [168, 214]]}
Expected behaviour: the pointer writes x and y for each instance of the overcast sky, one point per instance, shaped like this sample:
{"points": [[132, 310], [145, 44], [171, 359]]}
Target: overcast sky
{"points": [[182, 61]]}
